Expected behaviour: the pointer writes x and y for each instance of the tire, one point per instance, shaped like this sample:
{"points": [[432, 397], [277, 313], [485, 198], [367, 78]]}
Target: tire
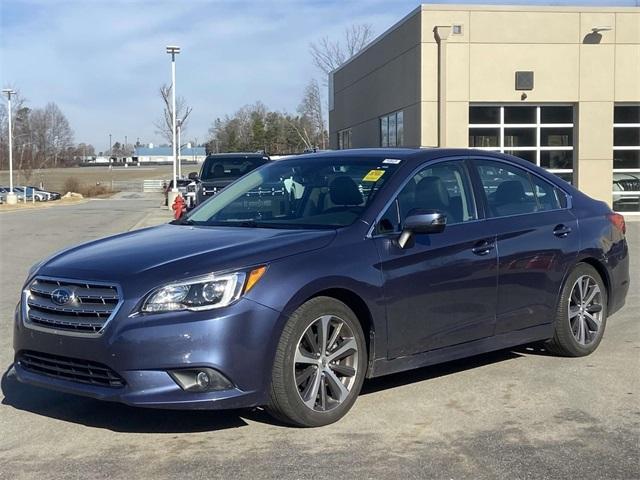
{"points": [[576, 319], [299, 377]]}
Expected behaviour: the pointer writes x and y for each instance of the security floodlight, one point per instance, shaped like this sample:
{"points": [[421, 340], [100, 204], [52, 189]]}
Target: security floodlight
{"points": [[173, 49]]}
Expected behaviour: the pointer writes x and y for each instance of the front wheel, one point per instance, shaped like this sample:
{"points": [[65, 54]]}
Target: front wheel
{"points": [[582, 313], [320, 364]]}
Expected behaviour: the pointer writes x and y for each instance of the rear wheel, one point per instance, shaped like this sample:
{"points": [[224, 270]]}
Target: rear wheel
{"points": [[582, 313], [320, 364]]}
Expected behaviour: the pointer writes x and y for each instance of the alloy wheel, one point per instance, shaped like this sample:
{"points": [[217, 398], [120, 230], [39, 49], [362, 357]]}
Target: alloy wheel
{"points": [[585, 310], [325, 363]]}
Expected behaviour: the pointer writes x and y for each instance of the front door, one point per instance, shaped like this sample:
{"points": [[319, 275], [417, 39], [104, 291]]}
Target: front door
{"points": [[441, 289]]}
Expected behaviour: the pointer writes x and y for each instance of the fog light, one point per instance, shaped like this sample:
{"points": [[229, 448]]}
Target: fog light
{"points": [[200, 379]]}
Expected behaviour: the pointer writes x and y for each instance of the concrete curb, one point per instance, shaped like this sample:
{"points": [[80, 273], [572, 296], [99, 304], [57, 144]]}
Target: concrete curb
{"points": [[42, 205]]}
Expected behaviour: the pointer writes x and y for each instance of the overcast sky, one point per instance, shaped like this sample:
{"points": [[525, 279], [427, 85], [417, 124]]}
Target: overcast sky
{"points": [[102, 61]]}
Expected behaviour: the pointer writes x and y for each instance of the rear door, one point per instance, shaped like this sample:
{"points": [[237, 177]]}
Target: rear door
{"points": [[537, 242]]}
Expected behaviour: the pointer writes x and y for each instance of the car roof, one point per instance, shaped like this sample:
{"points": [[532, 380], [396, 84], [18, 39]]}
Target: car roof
{"points": [[408, 154], [238, 155], [416, 156]]}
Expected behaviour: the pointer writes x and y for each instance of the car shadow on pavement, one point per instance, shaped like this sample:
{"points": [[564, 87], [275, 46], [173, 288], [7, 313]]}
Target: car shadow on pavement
{"points": [[123, 418], [119, 417]]}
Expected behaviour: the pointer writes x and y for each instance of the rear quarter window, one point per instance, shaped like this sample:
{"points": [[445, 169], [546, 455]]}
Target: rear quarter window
{"points": [[546, 194]]}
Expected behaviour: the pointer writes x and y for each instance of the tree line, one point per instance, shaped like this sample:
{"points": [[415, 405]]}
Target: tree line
{"points": [[42, 137], [256, 128]]}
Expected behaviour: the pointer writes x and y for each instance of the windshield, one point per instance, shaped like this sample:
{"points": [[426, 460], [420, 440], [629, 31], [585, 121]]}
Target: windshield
{"points": [[301, 193], [220, 168]]}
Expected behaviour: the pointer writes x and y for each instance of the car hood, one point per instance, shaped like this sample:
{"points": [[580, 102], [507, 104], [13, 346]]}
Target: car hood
{"points": [[172, 252]]}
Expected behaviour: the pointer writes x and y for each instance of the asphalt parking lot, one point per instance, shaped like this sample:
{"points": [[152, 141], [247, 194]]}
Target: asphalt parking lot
{"points": [[510, 414]]}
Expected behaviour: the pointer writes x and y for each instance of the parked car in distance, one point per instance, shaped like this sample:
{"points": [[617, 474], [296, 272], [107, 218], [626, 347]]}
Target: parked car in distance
{"points": [[19, 193], [292, 285], [40, 195], [626, 182], [48, 194], [219, 170]]}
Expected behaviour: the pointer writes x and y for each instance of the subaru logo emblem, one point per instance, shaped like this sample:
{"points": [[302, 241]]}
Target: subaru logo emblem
{"points": [[61, 296]]}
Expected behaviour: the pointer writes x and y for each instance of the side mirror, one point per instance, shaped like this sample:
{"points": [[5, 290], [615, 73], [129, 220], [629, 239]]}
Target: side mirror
{"points": [[420, 222], [193, 176]]}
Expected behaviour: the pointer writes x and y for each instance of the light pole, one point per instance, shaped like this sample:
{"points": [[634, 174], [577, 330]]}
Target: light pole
{"points": [[110, 150], [179, 150], [173, 50], [11, 196]]}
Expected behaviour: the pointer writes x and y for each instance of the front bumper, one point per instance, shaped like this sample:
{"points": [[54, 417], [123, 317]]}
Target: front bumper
{"points": [[238, 341]]}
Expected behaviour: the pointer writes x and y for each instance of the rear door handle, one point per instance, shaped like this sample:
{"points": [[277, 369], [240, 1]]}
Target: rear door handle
{"points": [[561, 231], [483, 247]]}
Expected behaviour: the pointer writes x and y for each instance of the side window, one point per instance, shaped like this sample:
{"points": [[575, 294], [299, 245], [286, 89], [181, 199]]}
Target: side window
{"points": [[508, 189], [546, 194], [389, 222], [444, 187]]}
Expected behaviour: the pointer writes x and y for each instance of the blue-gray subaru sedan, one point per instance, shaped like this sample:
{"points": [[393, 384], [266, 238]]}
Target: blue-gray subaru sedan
{"points": [[306, 276]]}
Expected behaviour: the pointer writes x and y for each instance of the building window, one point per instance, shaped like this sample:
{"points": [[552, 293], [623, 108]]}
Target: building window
{"points": [[392, 130], [540, 134], [626, 158], [344, 139]]}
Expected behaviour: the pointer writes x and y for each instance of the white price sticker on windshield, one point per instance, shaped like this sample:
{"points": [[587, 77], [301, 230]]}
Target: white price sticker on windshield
{"points": [[392, 161]]}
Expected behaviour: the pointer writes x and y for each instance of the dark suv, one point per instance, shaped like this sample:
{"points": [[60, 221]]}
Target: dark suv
{"points": [[221, 169]]}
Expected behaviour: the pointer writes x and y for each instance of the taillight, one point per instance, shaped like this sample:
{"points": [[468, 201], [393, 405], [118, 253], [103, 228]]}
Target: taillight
{"points": [[617, 221]]}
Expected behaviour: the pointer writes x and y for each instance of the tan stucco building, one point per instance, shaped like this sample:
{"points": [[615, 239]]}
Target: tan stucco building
{"points": [[559, 86]]}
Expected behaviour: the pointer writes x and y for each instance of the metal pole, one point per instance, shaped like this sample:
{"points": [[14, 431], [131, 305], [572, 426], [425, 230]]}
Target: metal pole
{"points": [[110, 150], [173, 118], [10, 144], [179, 151]]}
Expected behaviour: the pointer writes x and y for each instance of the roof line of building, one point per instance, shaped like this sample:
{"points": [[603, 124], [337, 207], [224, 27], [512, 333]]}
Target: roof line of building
{"points": [[393, 27], [488, 8]]}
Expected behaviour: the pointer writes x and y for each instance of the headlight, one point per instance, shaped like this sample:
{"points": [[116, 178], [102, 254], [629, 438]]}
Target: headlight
{"points": [[202, 293]]}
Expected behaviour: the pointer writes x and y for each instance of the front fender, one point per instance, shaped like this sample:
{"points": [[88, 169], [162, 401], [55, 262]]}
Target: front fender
{"points": [[352, 267]]}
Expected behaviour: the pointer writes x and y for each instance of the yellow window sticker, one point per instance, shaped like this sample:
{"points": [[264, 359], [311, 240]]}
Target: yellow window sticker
{"points": [[373, 176]]}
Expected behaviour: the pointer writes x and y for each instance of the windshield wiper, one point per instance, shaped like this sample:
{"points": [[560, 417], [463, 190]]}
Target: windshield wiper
{"points": [[183, 221], [247, 224]]}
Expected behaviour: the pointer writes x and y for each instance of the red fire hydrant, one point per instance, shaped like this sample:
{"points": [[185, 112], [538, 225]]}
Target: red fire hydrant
{"points": [[178, 207]]}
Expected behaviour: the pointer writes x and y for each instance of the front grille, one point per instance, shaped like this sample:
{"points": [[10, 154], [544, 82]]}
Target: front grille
{"points": [[72, 306], [82, 371]]}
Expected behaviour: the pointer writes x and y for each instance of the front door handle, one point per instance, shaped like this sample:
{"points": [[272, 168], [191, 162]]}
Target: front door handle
{"points": [[483, 247], [561, 231]]}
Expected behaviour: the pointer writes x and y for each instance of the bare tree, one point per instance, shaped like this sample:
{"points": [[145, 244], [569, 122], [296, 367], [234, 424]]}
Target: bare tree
{"points": [[311, 112], [328, 55], [51, 135], [164, 125]]}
